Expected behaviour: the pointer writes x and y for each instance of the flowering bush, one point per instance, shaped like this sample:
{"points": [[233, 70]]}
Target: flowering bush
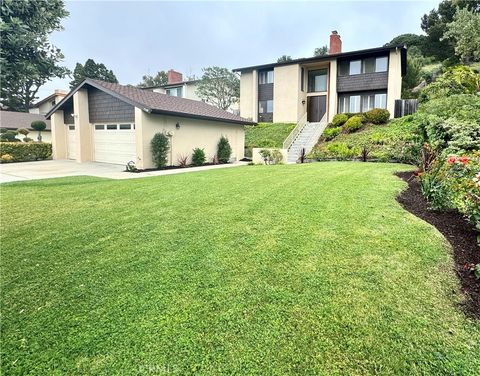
{"points": [[455, 183]]}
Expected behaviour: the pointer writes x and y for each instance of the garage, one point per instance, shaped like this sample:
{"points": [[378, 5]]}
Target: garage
{"points": [[114, 143], [71, 142]]}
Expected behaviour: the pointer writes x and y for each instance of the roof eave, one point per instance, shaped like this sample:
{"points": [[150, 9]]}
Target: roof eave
{"points": [[202, 117]]}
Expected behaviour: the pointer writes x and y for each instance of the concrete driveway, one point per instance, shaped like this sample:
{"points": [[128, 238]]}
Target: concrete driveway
{"points": [[61, 168]]}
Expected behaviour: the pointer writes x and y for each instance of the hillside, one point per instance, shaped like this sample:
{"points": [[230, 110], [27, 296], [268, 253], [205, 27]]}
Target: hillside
{"points": [[266, 135]]}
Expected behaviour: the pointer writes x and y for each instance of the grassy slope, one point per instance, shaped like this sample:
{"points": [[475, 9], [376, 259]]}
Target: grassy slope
{"points": [[382, 141], [255, 270], [277, 132]]}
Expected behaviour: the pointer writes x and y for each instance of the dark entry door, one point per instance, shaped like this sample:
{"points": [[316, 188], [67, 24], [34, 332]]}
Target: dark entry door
{"points": [[316, 107]]}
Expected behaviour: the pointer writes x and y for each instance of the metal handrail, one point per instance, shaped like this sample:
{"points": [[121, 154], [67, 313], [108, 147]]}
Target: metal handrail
{"points": [[295, 131]]}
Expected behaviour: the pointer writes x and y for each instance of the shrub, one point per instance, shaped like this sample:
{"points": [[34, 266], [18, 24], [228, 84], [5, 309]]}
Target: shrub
{"points": [[27, 139], [271, 156], [23, 131], [339, 119], [26, 151], [39, 126], [183, 160], [5, 158], [377, 116], [224, 150], [330, 133], [198, 157], [353, 124], [159, 147], [266, 143]]}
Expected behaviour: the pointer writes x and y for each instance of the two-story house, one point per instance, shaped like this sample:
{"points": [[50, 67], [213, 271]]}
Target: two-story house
{"points": [[321, 86]]}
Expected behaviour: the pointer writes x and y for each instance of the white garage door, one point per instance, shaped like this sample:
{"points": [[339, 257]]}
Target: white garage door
{"points": [[71, 142], [114, 143]]}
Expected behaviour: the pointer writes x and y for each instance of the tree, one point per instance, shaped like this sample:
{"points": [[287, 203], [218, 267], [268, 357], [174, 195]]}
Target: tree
{"points": [[412, 78], [92, 70], [321, 51], [284, 59], [464, 31], [39, 126], [219, 87], [224, 150], [160, 146], [159, 79], [27, 59], [435, 24]]}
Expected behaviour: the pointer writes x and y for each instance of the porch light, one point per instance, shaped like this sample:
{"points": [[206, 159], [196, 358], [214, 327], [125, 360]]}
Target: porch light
{"points": [[177, 125], [303, 102]]}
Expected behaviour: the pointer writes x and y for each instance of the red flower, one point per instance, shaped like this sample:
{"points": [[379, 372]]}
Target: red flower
{"points": [[463, 160], [452, 159]]}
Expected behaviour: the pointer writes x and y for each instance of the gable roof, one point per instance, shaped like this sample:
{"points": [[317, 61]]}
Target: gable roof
{"points": [[153, 102], [166, 86], [14, 120], [341, 55]]}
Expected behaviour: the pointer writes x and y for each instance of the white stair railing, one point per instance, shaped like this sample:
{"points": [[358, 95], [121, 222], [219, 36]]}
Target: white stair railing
{"points": [[295, 131]]}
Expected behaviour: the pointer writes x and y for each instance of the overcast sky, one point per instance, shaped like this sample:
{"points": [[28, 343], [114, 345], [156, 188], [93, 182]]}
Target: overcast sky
{"points": [[134, 38]]}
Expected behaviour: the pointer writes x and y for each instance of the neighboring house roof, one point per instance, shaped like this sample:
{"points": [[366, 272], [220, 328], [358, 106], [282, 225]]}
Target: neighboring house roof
{"points": [[333, 56], [181, 83], [49, 98], [14, 120], [153, 102]]}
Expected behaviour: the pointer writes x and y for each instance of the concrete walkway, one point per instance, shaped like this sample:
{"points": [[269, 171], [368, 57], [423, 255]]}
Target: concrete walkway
{"points": [[61, 168]]}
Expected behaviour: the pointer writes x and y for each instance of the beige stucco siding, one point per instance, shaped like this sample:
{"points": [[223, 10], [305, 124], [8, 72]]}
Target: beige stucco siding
{"points": [[332, 90], [193, 133], [394, 79], [248, 93], [59, 135], [286, 90]]}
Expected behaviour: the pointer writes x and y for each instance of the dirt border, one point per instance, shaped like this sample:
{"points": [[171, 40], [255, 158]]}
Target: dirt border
{"points": [[457, 231]]}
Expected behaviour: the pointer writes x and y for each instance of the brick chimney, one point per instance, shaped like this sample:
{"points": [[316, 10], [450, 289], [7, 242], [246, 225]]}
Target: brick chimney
{"points": [[335, 43], [174, 77]]}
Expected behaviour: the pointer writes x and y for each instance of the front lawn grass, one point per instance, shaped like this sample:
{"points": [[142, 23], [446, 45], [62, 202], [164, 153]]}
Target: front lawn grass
{"points": [[261, 270]]}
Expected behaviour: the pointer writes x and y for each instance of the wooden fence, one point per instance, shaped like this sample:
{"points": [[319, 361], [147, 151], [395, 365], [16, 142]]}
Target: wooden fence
{"points": [[405, 107]]}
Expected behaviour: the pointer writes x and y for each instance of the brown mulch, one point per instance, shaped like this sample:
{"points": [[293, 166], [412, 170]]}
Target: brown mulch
{"points": [[459, 233]]}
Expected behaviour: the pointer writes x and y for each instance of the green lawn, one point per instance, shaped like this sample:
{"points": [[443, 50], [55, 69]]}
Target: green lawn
{"points": [[261, 270], [266, 135]]}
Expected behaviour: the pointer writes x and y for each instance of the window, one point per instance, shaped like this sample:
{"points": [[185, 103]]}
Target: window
{"points": [[265, 77], [111, 126], [361, 102], [302, 79], [354, 104], [368, 65], [175, 91], [265, 107], [125, 126], [317, 80], [71, 127], [99, 127], [343, 68], [355, 67], [381, 64]]}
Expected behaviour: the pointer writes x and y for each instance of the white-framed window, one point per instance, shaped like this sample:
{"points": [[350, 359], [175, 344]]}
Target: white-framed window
{"points": [[317, 80], [99, 127], [114, 127], [355, 67], [175, 91], [265, 107], [381, 64], [361, 102], [361, 66], [381, 100], [265, 77], [354, 105]]}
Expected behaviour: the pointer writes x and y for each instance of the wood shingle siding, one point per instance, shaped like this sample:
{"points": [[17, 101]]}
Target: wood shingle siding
{"points": [[103, 108], [362, 82]]}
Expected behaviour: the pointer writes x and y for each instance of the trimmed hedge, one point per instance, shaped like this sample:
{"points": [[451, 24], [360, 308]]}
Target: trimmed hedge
{"points": [[353, 124], [339, 119], [24, 151], [377, 116]]}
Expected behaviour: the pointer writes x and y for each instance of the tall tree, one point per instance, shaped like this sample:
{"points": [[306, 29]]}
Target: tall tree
{"points": [[92, 70], [284, 59], [435, 23], [321, 51], [27, 59], [159, 79], [219, 87], [464, 31]]}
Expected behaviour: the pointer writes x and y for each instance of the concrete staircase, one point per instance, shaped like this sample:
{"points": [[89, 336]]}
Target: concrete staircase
{"points": [[305, 139]]}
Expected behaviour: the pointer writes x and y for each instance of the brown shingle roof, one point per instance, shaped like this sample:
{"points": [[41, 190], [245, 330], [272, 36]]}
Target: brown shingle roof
{"points": [[151, 101], [14, 120]]}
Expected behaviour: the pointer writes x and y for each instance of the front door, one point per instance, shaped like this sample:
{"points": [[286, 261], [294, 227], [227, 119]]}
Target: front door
{"points": [[316, 107]]}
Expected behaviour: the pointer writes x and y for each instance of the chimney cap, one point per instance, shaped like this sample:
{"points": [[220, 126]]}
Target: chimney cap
{"points": [[335, 32]]}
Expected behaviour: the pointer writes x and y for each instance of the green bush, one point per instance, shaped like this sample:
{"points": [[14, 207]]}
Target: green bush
{"points": [[198, 157], [39, 126], [25, 151], [9, 136], [224, 150], [330, 133], [266, 143], [271, 156], [159, 146], [339, 119], [353, 124], [377, 116]]}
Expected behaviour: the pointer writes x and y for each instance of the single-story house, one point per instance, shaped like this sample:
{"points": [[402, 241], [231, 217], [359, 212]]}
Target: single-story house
{"points": [[322, 86], [46, 104], [112, 123], [13, 120]]}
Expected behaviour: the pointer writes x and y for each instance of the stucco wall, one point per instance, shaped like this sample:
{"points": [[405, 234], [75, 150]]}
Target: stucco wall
{"points": [[193, 133], [247, 93], [394, 80], [46, 136], [286, 89]]}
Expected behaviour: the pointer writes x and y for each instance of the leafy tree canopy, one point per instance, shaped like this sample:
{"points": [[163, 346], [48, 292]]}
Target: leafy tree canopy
{"points": [[159, 79], [321, 51], [464, 31], [219, 87], [284, 59], [27, 59], [92, 70]]}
